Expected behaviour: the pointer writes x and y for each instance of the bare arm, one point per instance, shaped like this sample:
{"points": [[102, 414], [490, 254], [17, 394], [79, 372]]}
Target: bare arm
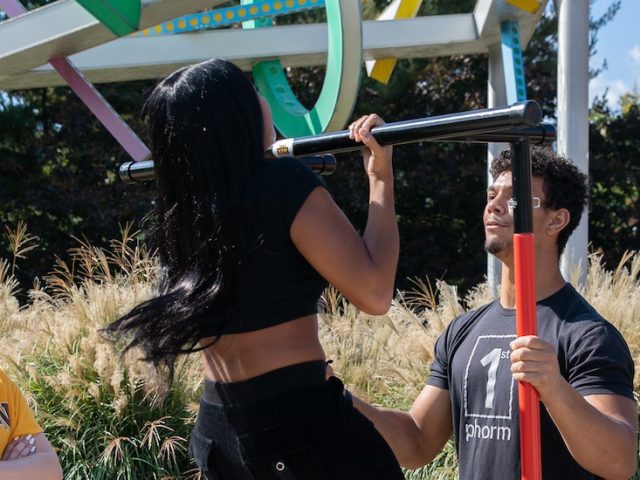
{"points": [[599, 430], [362, 267], [43, 464], [416, 437]]}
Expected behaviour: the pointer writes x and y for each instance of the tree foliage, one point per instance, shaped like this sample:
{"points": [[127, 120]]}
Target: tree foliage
{"points": [[614, 163], [58, 164], [58, 170]]}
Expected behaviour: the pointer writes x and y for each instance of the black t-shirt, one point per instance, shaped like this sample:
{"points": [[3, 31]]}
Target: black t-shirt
{"points": [[280, 284], [472, 362]]}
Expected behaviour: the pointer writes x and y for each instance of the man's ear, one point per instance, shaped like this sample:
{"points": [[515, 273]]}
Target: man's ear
{"points": [[557, 221]]}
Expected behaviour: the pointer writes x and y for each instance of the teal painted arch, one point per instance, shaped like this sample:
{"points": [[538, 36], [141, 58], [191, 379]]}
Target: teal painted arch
{"points": [[342, 79]]}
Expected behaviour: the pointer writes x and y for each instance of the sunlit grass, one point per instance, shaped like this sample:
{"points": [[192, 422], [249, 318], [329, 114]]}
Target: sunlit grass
{"points": [[112, 417]]}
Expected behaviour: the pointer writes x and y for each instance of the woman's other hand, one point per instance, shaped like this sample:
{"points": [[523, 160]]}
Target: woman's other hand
{"points": [[376, 158]]}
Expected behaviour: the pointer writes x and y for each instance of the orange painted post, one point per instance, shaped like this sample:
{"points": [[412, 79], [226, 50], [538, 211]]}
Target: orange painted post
{"points": [[526, 325], [526, 319]]}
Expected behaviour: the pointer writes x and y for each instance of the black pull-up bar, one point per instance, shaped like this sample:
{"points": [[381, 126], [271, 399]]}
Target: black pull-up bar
{"points": [[136, 172], [464, 124], [503, 124], [543, 134]]}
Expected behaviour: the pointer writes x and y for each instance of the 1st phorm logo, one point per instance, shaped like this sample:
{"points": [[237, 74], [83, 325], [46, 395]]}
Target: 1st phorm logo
{"points": [[486, 432]]}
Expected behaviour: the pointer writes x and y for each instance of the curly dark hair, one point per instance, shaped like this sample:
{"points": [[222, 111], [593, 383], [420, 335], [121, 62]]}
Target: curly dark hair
{"points": [[563, 184]]}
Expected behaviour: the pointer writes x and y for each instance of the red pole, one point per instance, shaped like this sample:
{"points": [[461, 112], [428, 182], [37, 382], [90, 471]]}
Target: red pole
{"points": [[526, 324]]}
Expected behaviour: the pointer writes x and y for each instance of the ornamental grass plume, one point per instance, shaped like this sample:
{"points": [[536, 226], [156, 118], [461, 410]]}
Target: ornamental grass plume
{"points": [[109, 416], [113, 417], [615, 294]]}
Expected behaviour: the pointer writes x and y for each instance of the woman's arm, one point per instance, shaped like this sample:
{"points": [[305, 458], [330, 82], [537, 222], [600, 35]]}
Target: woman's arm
{"points": [[363, 267], [42, 464]]}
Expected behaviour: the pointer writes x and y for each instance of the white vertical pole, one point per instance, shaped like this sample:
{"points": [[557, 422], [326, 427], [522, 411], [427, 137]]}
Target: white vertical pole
{"points": [[496, 96], [506, 86], [573, 110]]}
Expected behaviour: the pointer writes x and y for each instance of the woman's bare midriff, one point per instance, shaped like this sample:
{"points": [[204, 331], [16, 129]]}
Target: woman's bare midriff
{"points": [[242, 356]]}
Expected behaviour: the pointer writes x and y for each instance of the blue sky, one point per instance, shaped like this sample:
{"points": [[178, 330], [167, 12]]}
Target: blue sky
{"points": [[619, 43]]}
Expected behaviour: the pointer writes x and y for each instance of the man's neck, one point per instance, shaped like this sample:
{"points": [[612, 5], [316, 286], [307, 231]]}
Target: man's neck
{"points": [[548, 278]]}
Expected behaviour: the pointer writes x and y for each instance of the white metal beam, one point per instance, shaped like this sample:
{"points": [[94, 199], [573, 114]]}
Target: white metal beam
{"points": [[64, 27], [489, 15], [137, 58], [496, 97]]}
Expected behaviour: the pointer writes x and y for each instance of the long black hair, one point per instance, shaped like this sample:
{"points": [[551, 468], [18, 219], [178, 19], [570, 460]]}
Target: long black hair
{"points": [[206, 132]]}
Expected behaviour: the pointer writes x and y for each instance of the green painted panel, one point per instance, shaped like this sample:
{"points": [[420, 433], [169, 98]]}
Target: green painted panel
{"points": [[122, 17]]}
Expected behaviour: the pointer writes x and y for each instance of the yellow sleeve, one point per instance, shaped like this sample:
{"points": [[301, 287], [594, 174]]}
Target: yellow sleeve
{"points": [[21, 417]]}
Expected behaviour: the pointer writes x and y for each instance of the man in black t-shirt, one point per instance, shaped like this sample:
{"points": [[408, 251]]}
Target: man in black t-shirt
{"points": [[579, 363]]}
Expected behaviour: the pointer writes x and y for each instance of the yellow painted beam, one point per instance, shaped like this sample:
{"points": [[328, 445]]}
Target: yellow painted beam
{"points": [[381, 69], [530, 6]]}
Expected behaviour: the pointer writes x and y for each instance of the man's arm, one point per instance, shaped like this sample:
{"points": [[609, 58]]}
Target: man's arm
{"points": [[417, 436], [599, 430], [43, 464]]}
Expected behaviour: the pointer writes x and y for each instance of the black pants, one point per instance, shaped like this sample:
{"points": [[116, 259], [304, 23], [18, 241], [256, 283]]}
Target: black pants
{"points": [[289, 424]]}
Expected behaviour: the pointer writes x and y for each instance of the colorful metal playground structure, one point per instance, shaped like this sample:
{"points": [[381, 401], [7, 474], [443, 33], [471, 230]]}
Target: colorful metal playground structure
{"points": [[84, 42]]}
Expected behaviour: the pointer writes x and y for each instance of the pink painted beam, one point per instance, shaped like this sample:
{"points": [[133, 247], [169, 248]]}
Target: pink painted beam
{"points": [[101, 109], [12, 8], [90, 96]]}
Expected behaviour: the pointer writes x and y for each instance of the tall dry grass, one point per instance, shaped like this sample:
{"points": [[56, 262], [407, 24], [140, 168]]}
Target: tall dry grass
{"points": [[111, 417]]}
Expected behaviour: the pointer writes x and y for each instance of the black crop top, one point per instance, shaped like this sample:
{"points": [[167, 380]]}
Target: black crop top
{"points": [[281, 284]]}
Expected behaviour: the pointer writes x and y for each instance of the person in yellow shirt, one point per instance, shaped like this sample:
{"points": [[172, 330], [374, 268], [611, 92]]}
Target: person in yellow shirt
{"points": [[25, 452]]}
